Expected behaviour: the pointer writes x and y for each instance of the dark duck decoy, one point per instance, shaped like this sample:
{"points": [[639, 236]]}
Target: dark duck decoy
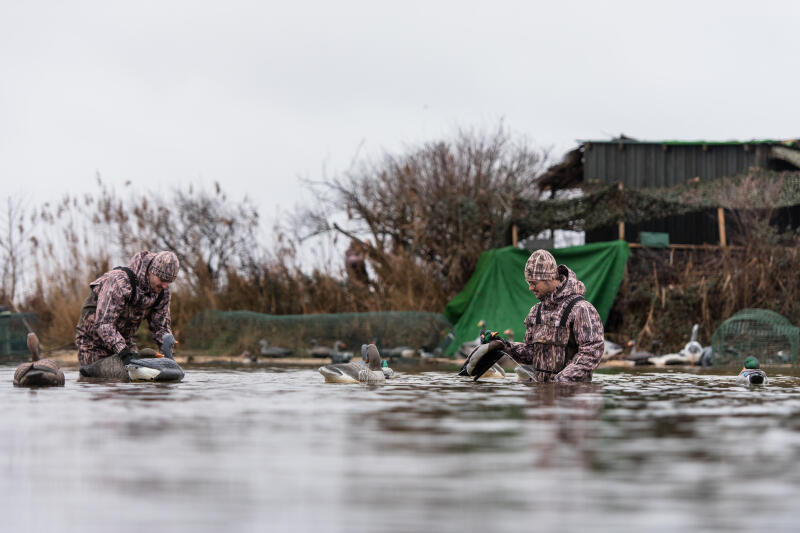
{"points": [[356, 372], [272, 351], [38, 372], [637, 356], [751, 374], [154, 368]]}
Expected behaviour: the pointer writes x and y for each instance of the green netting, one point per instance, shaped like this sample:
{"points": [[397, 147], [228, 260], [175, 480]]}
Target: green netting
{"points": [[764, 334], [498, 293], [218, 332], [606, 205], [14, 332]]}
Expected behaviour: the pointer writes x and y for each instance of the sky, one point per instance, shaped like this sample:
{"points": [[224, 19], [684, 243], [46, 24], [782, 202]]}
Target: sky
{"points": [[258, 94]]}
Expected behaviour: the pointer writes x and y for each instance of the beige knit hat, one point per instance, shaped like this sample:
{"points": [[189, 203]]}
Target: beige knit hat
{"points": [[541, 265], [165, 265]]}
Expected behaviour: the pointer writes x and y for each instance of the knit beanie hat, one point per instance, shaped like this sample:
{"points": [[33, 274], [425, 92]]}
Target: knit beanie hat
{"points": [[165, 265], [541, 265]]}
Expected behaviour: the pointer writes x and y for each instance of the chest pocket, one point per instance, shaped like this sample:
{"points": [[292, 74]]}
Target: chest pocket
{"points": [[555, 345]]}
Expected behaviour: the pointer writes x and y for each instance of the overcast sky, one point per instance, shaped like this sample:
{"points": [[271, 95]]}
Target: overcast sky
{"points": [[255, 94]]}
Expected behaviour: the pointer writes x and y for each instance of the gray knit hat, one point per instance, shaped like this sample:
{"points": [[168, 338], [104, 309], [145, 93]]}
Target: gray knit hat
{"points": [[541, 265], [165, 265]]}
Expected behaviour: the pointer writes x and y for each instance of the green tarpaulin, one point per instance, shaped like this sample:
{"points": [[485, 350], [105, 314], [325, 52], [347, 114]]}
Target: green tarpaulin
{"points": [[498, 292]]}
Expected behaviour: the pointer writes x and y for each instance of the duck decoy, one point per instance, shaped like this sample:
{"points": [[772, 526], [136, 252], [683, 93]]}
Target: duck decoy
{"points": [[272, 351], [638, 357], [610, 350], [751, 374], [338, 356], [356, 372], [388, 372], [482, 363], [693, 349], [319, 351], [38, 372], [154, 368]]}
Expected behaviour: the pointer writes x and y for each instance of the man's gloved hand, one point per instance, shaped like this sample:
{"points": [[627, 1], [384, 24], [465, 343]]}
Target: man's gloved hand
{"points": [[127, 354]]}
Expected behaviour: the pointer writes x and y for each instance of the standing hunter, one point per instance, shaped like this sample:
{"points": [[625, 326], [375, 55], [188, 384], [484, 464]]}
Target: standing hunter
{"points": [[118, 301], [563, 332]]}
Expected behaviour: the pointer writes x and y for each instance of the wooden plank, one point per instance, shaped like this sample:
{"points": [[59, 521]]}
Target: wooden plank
{"points": [[721, 222], [514, 233]]}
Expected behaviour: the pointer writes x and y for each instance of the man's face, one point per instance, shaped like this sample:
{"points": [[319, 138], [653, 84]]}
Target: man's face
{"points": [[156, 283], [543, 287]]}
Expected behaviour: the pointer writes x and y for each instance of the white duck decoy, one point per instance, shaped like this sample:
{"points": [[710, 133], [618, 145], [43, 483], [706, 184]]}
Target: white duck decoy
{"points": [[356, 372], [689, 355], [38, 372], [154, 368], [751, 374]]}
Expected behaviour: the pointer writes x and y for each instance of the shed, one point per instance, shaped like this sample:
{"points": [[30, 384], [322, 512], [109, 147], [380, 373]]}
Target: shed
{"points": [[652, 164]]}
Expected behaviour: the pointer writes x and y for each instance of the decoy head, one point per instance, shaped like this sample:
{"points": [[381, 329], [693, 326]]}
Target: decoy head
{"points": [[751, 363], [373, 357], [33, 346]]}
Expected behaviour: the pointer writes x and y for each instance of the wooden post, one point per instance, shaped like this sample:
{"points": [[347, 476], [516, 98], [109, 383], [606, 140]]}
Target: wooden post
{"points": [[721, 223], [621, 224], [514, 235]]}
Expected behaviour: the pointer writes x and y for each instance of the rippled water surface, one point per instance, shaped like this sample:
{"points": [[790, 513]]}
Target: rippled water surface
{"points": [[272, 449]]}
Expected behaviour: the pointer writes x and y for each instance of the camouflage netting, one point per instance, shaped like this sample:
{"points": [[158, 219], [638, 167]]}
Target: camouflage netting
{"points": [[14, 332], [231, 332], [606, 205], [759, 332]]}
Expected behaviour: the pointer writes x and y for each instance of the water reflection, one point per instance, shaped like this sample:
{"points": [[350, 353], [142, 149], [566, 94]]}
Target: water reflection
{"points": [[269, 448]]}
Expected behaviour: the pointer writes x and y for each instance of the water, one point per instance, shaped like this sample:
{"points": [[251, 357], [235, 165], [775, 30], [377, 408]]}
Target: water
{"points": [[276, 449]]}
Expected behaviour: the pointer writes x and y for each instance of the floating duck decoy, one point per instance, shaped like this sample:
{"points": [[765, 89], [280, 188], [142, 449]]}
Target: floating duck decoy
{"points": [[38, 372], [319, 351], [356, 372], [751, 374], [693, 349], [338, 356], [154, 368], [387, 372], [272, 351], [638, 357]]}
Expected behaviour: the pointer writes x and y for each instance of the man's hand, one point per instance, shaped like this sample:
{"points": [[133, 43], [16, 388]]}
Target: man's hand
{"points": [[127, 354]]}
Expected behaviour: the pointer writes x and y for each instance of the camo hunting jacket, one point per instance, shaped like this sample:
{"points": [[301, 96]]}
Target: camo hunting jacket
{"points": [[109, 319], [562, 354]]}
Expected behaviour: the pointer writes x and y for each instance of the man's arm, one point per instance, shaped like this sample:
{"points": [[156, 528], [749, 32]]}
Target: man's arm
{"points": [[111, 302], [588, 331], [159, 319]]}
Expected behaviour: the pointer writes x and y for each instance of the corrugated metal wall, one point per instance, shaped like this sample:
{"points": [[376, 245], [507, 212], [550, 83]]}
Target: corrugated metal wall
{"points": [[645, 165], [641, 165]]}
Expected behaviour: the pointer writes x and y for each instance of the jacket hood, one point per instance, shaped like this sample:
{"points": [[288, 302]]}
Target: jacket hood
{"points": [[570, 285], [140, 263]]}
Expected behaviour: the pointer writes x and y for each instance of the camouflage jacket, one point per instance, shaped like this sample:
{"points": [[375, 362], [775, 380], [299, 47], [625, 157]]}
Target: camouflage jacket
{"points": [[111, 328], [571, 353]]}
